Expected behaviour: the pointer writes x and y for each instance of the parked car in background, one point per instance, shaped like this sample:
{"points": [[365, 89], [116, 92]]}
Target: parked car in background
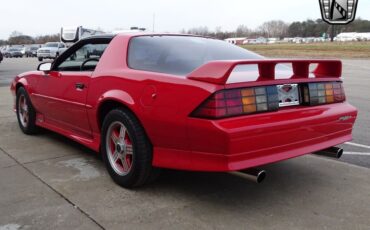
{"points": [[31, 51], [96, 51], [51, 50], [1, 57], [23, 51], [13, 52]]}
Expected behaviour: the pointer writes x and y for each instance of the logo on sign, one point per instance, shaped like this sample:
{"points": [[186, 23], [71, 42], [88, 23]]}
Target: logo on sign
{"points": [[338, 12]]}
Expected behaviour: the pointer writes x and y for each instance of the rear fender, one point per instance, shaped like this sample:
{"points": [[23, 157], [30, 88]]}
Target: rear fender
{"points": [[116, 95]]}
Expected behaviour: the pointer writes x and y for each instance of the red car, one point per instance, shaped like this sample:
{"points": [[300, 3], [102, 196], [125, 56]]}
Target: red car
{"points": [[150, 101]]}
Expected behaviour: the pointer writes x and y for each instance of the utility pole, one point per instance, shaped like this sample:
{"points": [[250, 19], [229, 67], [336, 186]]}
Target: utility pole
{"points": [[332, 33], [153, 22]]}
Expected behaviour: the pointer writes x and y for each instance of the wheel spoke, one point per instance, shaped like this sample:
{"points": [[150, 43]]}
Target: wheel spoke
{"points": [[129, 149], [122, 132], [125, 165], [25, 107], [114, 138], [115, 156]]}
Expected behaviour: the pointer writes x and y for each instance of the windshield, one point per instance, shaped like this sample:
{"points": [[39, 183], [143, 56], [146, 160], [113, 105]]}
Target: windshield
{"points": [[51, 44], [180, 55]]}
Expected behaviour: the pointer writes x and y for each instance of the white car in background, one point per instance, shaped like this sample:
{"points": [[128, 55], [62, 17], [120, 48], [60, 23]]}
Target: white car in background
{"points": [[51, 50]]}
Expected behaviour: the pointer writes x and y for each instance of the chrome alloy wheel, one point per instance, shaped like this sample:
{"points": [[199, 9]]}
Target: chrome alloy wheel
{"points": [[23, 110], [119, 148]]}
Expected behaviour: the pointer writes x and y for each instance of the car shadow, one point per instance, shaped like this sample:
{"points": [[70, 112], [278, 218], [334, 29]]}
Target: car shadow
{"points": [[293, 177], [65, 140]]}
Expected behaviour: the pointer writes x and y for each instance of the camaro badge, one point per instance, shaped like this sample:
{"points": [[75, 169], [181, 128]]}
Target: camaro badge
{"points": [[338, 12]]}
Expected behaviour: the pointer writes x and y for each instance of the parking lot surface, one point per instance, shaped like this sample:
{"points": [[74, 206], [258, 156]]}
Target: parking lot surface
{"points": [[50, 182]]}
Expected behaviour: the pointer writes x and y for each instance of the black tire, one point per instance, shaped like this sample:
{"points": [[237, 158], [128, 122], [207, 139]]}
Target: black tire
{"points": [[141, 170], [40, 58], [30, 127]]}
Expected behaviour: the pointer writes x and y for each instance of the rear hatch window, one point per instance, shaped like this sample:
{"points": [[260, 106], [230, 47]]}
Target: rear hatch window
{"points": [[180, 55]]}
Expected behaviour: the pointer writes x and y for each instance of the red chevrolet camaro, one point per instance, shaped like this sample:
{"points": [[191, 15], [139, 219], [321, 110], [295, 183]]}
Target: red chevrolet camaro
{"points": [[151, 101]]}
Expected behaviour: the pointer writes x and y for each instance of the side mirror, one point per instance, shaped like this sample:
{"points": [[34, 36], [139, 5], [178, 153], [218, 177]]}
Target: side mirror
{"points": [[46, 66]]}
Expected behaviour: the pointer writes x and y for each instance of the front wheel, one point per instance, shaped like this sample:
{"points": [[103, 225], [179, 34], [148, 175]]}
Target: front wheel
{"points": [[126, 150], [26, 114]]}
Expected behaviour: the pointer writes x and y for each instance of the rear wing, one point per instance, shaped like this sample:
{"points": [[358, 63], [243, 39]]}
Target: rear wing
{"points": [[218, 72]]}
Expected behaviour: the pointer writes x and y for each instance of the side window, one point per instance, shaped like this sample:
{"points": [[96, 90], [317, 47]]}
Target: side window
{"points": [[83, 59]]}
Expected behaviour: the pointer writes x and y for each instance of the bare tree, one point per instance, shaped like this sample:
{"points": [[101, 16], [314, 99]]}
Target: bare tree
{"points": [[3, 42], [242, 31], [274, 28], [202, 30], [41, 39], [20, 40], [15, 34]]}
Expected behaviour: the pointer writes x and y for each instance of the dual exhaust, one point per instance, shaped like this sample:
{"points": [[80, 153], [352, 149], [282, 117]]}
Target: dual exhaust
{"points": [[252, 174], [258, 175], [333, 152]]}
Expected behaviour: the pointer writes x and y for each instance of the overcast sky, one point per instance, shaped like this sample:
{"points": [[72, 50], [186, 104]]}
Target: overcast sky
{"points": [[40, 17]]}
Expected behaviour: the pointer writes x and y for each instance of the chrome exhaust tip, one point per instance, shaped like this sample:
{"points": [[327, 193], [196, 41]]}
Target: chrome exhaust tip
{"points": [[333, 152], [252, 174]]}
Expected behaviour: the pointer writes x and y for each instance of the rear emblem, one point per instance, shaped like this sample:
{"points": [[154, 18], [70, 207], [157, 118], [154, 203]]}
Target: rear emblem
{"points": [[286, 88], [338, 12]]}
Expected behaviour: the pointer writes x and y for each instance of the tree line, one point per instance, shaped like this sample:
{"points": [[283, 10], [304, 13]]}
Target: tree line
{"points": [[18, 38], [281, 29], [274, 28]]}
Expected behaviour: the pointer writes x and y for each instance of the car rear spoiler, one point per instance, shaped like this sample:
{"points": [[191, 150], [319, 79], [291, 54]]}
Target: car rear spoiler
{"points": [[218, 72]]}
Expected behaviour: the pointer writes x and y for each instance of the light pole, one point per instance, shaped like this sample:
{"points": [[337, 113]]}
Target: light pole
{"points": [[153, 21]]}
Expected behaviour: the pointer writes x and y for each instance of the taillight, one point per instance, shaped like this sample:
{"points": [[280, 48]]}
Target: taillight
{"points": [[233, 102], [323, 93]]}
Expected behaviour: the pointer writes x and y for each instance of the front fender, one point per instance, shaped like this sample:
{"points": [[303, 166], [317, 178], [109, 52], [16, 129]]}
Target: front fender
{"points": [[15, 84], [19, 81]]}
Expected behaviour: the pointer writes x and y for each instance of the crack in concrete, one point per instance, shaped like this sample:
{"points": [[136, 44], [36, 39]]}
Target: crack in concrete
{"points": [[52, 158], [54, 190]]}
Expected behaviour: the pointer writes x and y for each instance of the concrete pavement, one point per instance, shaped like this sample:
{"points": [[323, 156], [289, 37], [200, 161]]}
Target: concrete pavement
{"points": [[50, 182]]}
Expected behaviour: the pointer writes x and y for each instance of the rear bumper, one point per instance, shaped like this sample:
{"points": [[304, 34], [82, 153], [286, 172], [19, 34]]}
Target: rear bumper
{"points": [[249, 141]]}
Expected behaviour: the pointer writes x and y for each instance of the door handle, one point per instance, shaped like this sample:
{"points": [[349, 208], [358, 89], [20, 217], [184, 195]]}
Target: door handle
{"points": [[80, 86]]}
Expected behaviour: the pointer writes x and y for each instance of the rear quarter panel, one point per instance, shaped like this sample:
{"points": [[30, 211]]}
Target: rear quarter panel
{"points": [[161, 102]]}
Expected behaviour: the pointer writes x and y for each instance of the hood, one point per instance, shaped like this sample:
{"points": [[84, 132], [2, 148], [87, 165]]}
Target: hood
{"points": [[48, 48], [25, 74]]}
